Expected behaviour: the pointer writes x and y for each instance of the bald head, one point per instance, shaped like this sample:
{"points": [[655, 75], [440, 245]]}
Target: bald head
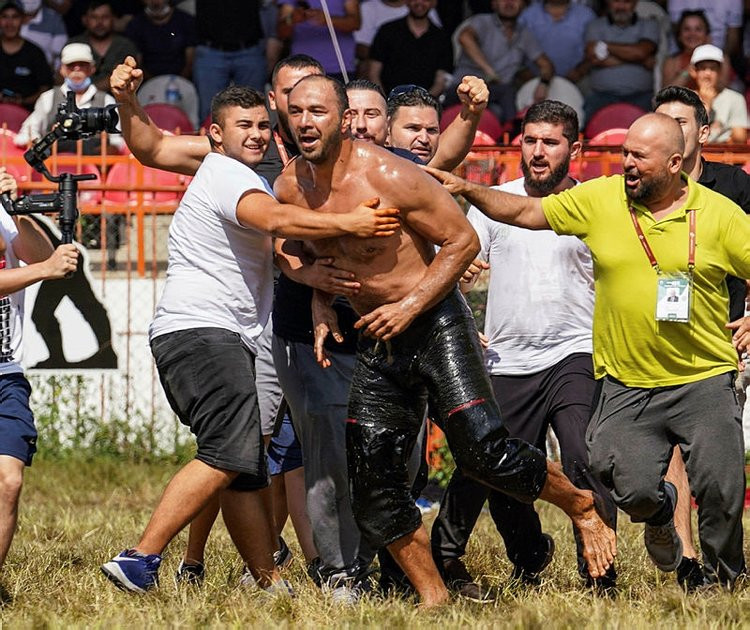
{"points": [[658, 130]]}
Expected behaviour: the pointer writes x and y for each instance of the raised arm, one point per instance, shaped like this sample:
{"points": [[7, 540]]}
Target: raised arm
{"points": [[181, 154], [501, 206], [429, 211], [457, 139]]}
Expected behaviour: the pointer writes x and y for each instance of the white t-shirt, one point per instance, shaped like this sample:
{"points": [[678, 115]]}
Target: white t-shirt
{"points": [[219, 273], [729, 110], [540, 300], [11, 306], [375, 13]]}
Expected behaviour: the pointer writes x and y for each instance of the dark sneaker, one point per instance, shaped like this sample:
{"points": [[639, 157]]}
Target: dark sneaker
{"points": [[283, 557], [690, 575], [459, 581], [190, 573], [605, 586], [313, 571], [529, 575], [662, 542], [133, 571]]}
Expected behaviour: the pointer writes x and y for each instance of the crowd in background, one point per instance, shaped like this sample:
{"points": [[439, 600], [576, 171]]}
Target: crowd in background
{"points": [[600, 51]]}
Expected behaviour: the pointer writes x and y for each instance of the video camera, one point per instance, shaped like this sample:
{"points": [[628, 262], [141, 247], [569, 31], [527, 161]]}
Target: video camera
{"points": [[72, 123]]}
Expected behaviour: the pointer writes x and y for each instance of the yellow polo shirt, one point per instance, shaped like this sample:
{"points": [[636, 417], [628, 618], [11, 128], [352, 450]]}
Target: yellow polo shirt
{"points": [[629, 344]]}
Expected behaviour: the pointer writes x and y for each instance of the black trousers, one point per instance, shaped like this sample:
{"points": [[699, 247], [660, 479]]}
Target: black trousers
{"points": [[561, 397]]}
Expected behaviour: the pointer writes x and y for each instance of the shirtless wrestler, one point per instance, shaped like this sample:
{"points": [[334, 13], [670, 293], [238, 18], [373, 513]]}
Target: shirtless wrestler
{"points": [[419, 342]]}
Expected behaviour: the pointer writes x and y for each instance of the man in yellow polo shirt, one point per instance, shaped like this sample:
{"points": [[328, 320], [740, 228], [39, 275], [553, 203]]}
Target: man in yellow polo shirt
{"points": [[665, 367]]}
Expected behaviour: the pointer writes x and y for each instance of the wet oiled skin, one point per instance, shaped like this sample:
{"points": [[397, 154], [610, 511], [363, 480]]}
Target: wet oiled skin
{"points": [[388, 268]]}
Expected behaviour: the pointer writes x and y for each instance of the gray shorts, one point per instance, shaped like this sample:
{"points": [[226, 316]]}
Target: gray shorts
{"points": [[209, 380]]}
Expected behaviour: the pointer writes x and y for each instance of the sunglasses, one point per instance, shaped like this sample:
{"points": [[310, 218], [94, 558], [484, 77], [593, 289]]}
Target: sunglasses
{"points": [[406, 88]]}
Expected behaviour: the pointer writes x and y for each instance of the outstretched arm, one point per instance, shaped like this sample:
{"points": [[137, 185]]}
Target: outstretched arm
{"points": [[433, 214], [456, 140], [260, 211], [181, 154], [501, 206]]}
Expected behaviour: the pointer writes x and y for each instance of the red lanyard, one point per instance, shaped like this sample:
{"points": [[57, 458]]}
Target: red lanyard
{"points": [[647, 247], [282, 149]]}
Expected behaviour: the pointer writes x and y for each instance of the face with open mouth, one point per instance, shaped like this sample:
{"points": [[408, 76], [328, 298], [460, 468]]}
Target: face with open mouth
{"points": [[416, 129], [317, 119], [243, 133], [545, 156]]}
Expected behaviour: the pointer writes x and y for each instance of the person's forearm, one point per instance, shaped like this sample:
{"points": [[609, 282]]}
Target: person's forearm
{"points": [[31, 245], [443, 273], [632, 53], [294, 222], [456, 140], [12, 280], [474, 52], [505, 207], [346, 23]]}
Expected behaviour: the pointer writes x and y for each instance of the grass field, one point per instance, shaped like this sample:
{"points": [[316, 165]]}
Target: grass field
{"points": [[76, 515]]}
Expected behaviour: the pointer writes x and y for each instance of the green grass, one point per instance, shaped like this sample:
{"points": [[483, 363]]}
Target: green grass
{"points": [[76, 515]]}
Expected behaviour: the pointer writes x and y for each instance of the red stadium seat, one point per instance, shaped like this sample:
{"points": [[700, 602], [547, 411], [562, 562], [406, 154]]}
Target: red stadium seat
{"points": [[13, 116], [609, 137], [123, 174], [488, 123], [169, 117], [617, 116]]}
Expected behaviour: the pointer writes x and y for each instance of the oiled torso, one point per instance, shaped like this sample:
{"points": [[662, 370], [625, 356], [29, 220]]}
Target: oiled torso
{"points": [[387, 267]]}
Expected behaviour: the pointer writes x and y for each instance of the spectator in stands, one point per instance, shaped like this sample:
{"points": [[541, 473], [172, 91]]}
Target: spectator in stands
{"points": [[108, 47], [621, 48], [166, 38], [373, 14], [24, 71], [559, 27], [45, 28], [494, 46], [692, 30], [77, 68], [724, 18], [412, 50], [727, 109], [303, 23], [229, 50]]}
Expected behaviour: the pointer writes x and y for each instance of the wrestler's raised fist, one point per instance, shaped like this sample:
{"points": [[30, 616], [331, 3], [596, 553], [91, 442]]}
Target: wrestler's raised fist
{"points": [[125, 80], [473, 94]]}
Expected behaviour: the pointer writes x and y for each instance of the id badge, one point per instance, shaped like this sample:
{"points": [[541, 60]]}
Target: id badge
{"points": [[673, 297]]}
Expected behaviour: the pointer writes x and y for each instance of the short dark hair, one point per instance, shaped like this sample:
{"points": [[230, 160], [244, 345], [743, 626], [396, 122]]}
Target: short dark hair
{"points": [[679, 94], [298, 62], [95, 4], [688, 13], [338, 89], [234, 95], [365, 85], [554, 112], [415, 96]]}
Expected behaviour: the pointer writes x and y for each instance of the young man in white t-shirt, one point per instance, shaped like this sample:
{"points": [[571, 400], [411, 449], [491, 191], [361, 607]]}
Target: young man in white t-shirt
{"points": [[216, 302], [20, 240], [538, 325]]}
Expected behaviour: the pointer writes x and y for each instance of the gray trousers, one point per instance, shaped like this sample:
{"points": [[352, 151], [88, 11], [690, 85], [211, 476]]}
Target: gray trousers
{"points": [[318, 399], [630, 439]]}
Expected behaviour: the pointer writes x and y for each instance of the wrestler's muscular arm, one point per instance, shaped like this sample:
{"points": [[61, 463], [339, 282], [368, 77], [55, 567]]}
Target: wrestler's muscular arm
{"points": [[501, 206], [180, 154], [435, 216]]}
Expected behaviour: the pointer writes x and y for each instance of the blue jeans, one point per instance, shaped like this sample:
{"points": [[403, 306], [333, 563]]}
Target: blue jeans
{"points": [[214, 70]]}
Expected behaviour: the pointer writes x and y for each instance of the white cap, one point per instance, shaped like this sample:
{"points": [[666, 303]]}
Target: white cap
{"points": [[707, 52], [76, 52]]}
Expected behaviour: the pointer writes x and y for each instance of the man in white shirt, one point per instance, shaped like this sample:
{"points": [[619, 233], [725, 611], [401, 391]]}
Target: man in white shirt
{"points": [[76, 70], [216, 302], [20, 240], [539, 324]]}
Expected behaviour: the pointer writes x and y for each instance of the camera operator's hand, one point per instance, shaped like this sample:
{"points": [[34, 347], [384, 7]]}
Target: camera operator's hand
{"points": [[125, 80], [8, 184], [64, 260]]}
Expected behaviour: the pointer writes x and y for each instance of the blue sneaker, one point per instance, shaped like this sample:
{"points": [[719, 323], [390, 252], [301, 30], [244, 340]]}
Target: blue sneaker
{"points": [[133, 571]]}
